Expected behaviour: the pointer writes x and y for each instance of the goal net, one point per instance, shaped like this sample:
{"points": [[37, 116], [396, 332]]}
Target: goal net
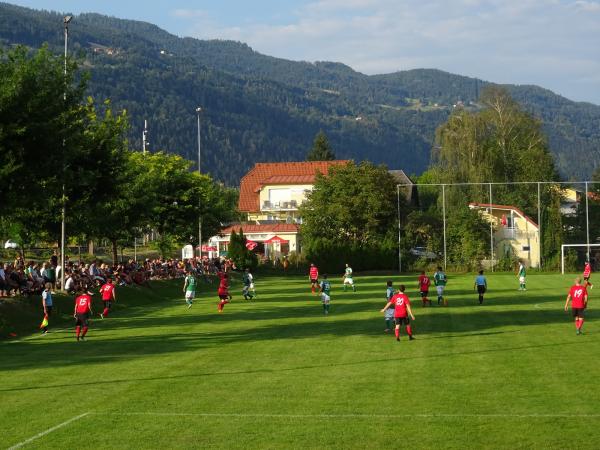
{"points": [[574, 256]]}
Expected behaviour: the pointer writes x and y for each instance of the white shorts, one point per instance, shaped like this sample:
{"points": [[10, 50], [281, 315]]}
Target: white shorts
{"points": [[251, 287], [349, 281], [325, 298], [189, 294], [522, 280], [440, 290], [389, 313]]}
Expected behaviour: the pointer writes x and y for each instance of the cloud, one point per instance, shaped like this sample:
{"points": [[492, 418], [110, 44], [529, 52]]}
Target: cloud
{"points": [[587, 6], [552, 43]]}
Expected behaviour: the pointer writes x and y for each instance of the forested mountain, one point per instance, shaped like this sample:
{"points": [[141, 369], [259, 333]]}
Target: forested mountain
{"points": [[260, 108]]}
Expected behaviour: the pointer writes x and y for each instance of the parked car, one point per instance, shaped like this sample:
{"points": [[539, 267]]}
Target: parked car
{"points": [[10, 244], [422, 252]]}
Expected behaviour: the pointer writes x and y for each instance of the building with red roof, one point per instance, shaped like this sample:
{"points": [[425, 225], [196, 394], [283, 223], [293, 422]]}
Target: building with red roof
{"points": [[270, 196]]}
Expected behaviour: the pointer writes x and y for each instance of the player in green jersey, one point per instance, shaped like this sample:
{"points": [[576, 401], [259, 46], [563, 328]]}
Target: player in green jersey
{"points": [[189, 288], [325, 286], [521, 275], [440, 280], [348, 278]]}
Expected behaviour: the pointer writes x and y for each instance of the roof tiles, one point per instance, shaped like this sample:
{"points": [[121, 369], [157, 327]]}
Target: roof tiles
{"points": [[278, 173]]}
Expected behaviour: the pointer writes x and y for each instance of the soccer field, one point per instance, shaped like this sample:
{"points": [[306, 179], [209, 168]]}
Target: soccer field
{"points": [[277, 373]]}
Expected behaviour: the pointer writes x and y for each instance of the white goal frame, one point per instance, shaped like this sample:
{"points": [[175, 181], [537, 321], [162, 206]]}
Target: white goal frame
{"points": [[562, 253]]}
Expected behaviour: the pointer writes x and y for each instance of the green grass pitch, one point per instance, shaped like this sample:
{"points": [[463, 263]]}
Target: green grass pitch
{"points": [[277, 373]]}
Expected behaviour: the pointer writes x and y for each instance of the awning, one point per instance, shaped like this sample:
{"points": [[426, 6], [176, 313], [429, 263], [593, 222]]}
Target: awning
{"points": [[276, 240], [250, 245]]}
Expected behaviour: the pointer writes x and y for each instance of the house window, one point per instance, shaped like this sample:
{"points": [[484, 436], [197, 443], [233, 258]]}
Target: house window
{"points": [[279, 196]]}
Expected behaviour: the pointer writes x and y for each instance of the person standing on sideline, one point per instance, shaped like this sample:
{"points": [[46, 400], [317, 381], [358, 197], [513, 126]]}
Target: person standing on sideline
{"points": [[440, 280], [325, 289], [313, 276], [521, 275], [248, 290], [347, 278], [587, 272], [480, 286], [189, 288], [83, 310], [424, 283], [47, 304], [579, 298], [402, 312], [389, 313], [107, 292]]}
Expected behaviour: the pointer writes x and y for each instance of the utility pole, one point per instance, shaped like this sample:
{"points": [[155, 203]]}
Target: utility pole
{"points": [[198, 112]]}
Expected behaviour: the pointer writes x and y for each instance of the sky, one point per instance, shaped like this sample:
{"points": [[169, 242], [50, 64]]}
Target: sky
{"points": [[551, 43]]}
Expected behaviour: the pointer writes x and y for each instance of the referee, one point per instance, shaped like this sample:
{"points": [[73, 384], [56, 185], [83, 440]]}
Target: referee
{"points": [[481, 286]]}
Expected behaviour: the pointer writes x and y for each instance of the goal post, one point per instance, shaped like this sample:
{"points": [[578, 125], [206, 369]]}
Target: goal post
{"points": [[562, 253]]}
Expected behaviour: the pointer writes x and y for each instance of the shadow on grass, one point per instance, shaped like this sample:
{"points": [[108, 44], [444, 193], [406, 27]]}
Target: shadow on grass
{"points": [[190, 376], [60, 351]]}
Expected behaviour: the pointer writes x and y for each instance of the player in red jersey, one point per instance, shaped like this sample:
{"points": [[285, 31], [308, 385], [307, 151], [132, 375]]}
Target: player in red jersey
{"points": [[578, 297], [402, 312], [83, 310], [424, 283], [223, 291], [313, 276], [107, 291], [587, 272]]}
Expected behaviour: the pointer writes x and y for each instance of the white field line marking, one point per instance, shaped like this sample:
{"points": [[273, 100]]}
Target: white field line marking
{"points": [[48, 431], [348, 416]]}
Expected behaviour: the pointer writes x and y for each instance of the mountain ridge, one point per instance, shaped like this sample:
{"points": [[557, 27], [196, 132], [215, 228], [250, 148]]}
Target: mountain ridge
{"points": [[262, 108]]}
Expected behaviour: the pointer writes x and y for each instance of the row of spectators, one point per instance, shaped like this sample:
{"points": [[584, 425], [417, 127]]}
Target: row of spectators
{"points": [[20, 278]]}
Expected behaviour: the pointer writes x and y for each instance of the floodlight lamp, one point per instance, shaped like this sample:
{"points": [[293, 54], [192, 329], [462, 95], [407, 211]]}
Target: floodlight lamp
{"points": [[67, 19], [198, 109]]}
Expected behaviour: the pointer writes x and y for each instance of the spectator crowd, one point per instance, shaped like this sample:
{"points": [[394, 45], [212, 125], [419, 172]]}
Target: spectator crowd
{"points": [[21, 278]]}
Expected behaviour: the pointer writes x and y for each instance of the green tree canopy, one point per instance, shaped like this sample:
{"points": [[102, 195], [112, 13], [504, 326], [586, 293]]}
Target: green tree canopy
{"points": [[355, 203], [321, 149]]}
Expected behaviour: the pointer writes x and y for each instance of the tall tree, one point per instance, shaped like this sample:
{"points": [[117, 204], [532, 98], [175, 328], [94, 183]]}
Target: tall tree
{"points": [[501, 143], [321, 149], [355, 203], [350, 216], [42, 125]]}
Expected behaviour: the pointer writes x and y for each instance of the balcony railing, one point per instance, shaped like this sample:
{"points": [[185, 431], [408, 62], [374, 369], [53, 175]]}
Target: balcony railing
{"points": [[515, 233], [279, 206]]}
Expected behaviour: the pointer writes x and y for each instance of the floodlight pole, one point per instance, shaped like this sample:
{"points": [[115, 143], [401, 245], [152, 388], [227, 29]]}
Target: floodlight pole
{"points": [[587, 223], [539, 206], [491, 229], [198, 111], [444, 215], [66, 21], [399, 236]]}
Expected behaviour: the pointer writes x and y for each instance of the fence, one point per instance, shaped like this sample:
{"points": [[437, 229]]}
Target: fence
{"points": [[527, 221]]}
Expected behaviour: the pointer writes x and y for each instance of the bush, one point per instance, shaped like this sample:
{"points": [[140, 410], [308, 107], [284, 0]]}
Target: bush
{"points": [[239, 253], [571, 261], [331, 256]]}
